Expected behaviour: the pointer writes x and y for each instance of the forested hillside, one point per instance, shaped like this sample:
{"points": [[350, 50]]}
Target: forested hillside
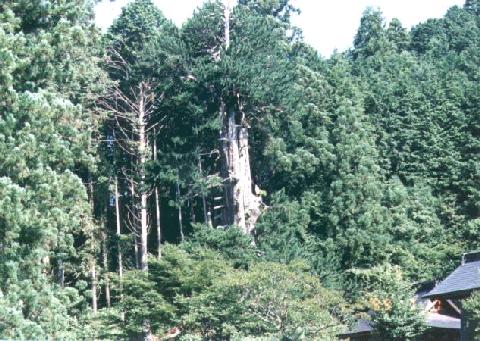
{"points": [[221, 180]]}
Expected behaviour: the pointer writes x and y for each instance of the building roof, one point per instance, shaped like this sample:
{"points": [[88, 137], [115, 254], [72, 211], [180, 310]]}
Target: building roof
{"points": [[436, 320], [432, 320], [360, 327], [462, 280]]}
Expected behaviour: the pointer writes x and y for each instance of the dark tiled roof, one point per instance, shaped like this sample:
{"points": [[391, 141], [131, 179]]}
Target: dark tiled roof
{"points": [[436, 320], [432, 320], [360, 327], [465, 278]]}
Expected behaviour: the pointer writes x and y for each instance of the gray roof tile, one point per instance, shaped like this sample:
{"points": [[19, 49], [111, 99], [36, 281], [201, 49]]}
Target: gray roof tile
{"points": [[465, 278], [436, 320]]}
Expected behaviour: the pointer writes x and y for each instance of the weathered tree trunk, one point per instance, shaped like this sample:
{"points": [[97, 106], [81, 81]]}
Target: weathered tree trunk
{"points": [[157, 202], [242, 206], [234, 205], [147, 331], [142, 150], [252, 201]]}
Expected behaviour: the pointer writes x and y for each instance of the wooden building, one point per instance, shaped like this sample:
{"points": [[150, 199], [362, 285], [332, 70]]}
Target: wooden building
{"points": [[458, 286], [442, 317]]}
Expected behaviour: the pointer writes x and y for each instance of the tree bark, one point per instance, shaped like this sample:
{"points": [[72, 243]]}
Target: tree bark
{"points": [[226, 13], [118, 231], [94, 284], [61, 273], [93, 262], [134, 219], [242, 206], [252, 201], [180, 219], [157, 202], [204, 200], [106, 278], [142, 148]]}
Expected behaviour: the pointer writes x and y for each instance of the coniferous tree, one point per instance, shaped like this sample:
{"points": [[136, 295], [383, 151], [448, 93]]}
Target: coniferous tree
{"points": [[50, 76]]}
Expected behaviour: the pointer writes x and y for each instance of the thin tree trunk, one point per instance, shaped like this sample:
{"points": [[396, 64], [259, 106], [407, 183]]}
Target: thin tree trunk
{"points": [[180, 219], [142, 148], [204, 200], [159, 228], [61, 273], [118, 231], [157, 202], [209, 219], [193, 218], [94, 284], [93, 262], [226, 13], [105, 268], [134, 219]]}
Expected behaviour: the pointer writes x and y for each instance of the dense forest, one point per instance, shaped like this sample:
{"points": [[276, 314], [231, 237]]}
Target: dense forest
{"points": [[223, 181]]}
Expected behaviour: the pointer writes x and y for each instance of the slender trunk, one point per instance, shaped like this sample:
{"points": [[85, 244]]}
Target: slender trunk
{"points": [[180, 219], [134, 220], [93, 262], [204, 200], [61, 273], [106, 278], [94, 284], [157, 202], [193, 218], [209, 219], [226, 13], [142, 148], [118, 231], [159, 228]]}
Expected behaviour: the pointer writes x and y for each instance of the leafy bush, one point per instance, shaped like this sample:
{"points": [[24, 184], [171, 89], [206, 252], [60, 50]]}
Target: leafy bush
{"points": [[270, 299]]}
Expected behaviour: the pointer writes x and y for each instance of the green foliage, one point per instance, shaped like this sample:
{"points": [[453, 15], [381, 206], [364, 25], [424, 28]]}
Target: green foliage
{"points": [[49, 61], [143, 302], [268, 300], [282, 231], [367, 162], [157, 297], [390, 299], [471, 309], [231, 243]]}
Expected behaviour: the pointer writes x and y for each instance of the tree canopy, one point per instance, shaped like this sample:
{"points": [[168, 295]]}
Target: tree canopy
{"points": [[222, 180]]}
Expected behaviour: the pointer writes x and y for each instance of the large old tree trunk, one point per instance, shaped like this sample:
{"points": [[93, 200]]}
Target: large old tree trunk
{"points": [[242, 206]]}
